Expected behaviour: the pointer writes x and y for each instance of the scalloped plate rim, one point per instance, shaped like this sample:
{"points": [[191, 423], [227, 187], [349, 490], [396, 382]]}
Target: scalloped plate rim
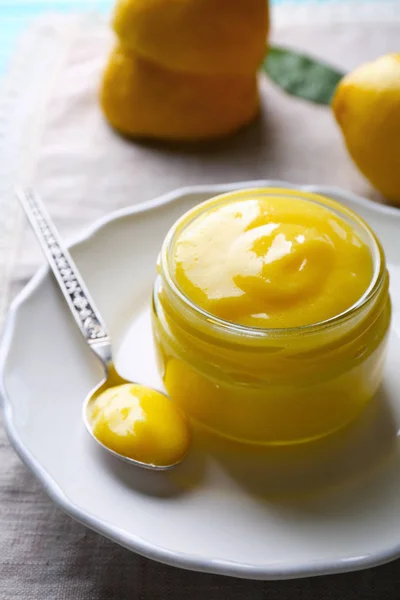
{"points": [[130, 541]]}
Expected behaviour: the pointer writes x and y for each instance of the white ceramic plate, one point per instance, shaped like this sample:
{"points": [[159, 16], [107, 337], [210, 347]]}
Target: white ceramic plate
{"points": [[329, 507]]}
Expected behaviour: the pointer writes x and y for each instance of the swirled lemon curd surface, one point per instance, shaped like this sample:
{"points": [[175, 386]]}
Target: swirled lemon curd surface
{"points": [[272, 262]]}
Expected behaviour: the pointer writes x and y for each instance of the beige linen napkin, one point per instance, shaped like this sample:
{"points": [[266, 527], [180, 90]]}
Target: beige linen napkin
{"points": [[84, 170]]}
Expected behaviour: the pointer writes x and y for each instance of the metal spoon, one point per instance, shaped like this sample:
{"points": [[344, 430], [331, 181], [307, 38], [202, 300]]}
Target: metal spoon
{"points": [[81, 305]]}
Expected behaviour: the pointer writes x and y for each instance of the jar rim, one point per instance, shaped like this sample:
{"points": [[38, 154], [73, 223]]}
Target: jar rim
{"points": [[377, 254]]}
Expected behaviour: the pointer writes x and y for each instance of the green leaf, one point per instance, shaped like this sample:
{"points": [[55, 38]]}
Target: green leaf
{"points": [[301, 75]]}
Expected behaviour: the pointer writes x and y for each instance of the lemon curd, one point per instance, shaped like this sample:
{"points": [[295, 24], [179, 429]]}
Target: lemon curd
{"points": [[271, 312], [140, 423]]}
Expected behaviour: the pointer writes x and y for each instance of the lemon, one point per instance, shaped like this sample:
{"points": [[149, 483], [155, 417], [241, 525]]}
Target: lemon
{"points": [[367, 107], [143, 99], [198, 36]]}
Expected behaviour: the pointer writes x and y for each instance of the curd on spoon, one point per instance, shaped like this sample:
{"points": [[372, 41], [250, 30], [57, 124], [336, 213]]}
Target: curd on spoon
{"points": [[139, 423]]}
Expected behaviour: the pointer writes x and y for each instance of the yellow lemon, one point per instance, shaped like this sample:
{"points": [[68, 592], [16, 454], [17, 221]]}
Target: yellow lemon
{"points": [[199, 36], [367, 107], [141, 99]]}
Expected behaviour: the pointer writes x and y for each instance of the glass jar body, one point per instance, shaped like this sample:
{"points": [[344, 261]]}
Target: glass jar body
{"points": [[271, 386]]}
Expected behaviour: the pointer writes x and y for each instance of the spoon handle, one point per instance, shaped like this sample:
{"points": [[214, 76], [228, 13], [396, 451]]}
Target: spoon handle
{"points": [[67, 275]]}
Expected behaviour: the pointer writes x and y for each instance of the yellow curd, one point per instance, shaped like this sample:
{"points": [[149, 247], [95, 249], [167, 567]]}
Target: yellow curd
{"points": [[271, 262], [140, 423], [271, 311]]}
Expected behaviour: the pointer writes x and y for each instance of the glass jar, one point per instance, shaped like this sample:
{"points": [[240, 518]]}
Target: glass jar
{"points": [[271, 386]]}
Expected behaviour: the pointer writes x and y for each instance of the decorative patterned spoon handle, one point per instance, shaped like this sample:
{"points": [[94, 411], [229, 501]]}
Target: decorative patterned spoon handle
{"points": [[67, 275]]}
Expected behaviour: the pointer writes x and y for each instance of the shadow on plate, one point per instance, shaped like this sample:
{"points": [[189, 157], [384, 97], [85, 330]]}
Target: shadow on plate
{"points": [[280, 472], [158, 484]]}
